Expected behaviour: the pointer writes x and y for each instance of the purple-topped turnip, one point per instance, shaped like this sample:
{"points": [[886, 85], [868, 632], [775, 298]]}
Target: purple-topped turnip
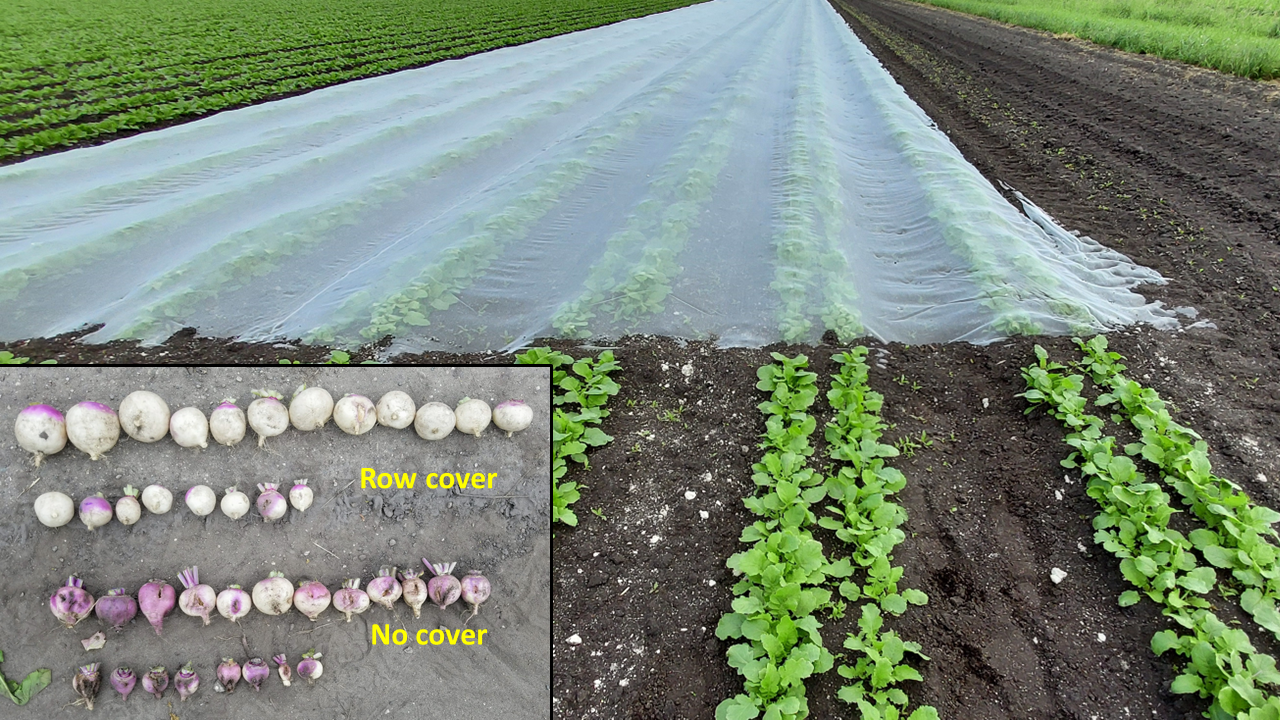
{"points": [[229, 674], [311, 598], [86, 683], [116, 608], [123, 681], [155, 600], [385, 589], [186, 681], [95, 511], [93, 428], [475, 590], [443, 589], [227, 423], [234, 603], [414, 590], [156, 681], [254, 672], [309, 666], [351, 599], [41, 430], [71, 603], [198, 599], [271, 504], [282, 666]]}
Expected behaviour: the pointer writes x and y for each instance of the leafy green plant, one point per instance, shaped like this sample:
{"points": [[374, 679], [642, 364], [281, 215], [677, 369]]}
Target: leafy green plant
{"points": [[8, 358], [879, 666], [21, 692], [578, 407]]}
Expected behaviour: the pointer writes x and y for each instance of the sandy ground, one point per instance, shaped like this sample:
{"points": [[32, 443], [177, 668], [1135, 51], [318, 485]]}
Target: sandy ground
{"points": [[348, 532]]}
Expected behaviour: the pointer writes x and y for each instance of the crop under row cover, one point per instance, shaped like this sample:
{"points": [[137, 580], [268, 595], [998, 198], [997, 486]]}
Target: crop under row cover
{"points": [[740, 168]]}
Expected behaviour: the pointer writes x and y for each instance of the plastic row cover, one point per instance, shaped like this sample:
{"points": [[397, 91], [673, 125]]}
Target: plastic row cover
{"points": [[743, 169]]}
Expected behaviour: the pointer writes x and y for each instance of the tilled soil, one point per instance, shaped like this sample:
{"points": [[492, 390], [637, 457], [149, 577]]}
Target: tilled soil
{"points": [[1174, 166]]}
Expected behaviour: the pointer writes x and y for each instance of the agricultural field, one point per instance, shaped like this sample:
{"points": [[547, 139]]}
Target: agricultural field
{"points": [[904, 363], [74, 72], [1241, 37]]}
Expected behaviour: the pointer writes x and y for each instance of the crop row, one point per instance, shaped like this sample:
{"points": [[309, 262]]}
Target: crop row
{"points": [[1133, 524], [635, 275], [785, 571], [579, 406], [810, 219], [181, 65], [1238, 536]]}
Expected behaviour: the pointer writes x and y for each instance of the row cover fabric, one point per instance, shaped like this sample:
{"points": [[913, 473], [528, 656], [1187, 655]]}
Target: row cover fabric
{"points": [[741, 169]]}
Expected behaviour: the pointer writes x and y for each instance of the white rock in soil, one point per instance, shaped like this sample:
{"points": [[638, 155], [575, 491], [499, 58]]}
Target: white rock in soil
{"points": [[986, 403], [655, 539], [689, 495], [574, 639], [687, 370], [1102, 637], [1057, 575], [704, 514], [1261, 478]]}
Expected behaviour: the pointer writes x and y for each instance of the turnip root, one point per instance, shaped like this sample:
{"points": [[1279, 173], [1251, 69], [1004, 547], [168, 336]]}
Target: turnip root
{"points": [[128, 511], [310, 408], [267, 415], [273, 595], [157, 499], [144, 415], [93, 428], [227, 423], [434, 421], [512, 416], [201, 499], [396, 410], [41, 430], [355, 414], [472, 416], [190, 428], [54, 509]]}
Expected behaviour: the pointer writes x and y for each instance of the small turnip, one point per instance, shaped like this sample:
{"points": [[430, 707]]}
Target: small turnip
{"points": [[235, 503], [434, 421], [512, 416], [54, 509], [201, 499], [472, 416], [190, 428], [267, 415], [234, 603], [128, 511], [93, 428], [144, 415], [300, 496], [355, 414], [227, 423], [95, 511], [310, 408], [396, 410], [41, 430], [157, 499]]}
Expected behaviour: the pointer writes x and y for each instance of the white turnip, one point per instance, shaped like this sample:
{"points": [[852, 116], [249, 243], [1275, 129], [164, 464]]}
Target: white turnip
{"points": [[310, 408], [396, 410], [157, 499], [235, 503], [512, 416], [54, 509], [144, 415], [434, 421], [355, 414], [227, 423], [267, 415], [93, 428], [190, 428], [273, 595], [128, 511], [473, 416], [201, 499]]}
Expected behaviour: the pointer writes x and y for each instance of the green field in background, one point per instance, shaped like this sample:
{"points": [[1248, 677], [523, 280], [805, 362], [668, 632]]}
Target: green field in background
{"points": [[75, 70], [1235, 36]]}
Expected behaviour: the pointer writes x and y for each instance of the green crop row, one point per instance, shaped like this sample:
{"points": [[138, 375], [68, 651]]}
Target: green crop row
{"points": [[580, 394], [1238, 536], [1133, 524], [88, 69]]}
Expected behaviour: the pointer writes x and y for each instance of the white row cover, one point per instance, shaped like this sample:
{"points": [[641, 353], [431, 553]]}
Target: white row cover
{"points": [[743, 169]]}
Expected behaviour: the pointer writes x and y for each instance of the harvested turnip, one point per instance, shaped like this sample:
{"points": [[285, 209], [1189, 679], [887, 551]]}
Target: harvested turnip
{"points": [[254, 672], [156, 599], [512, 416], [128, 511], [144, 415], [310, 408], [234, 603], [156, 681], [475, 590], [434, 421], [414, 591], [351, 599], [157, 499], [186, 681], [93, 428], [54, 509], [309, 666], [71, 603], [443, 589], [86, 683], [41, 430], [190, 428], [227, 423], [198, 599], [116, 608], [271, 504], [300, 496], [229, 674], [385, 589], [311, 598], [472, 416], [95, 511], [201, 499], [396, 410], [235, 503], [267, 415], [355, 414], [123, 681], [273, 595]]}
